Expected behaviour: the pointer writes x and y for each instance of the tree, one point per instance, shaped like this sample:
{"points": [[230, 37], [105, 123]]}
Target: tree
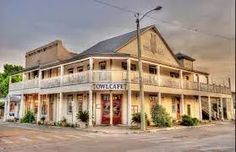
{"points": [[9, 69]]}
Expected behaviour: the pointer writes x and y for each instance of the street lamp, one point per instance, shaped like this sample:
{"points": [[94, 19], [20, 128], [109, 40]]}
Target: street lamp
{"points": [[138, 19]]}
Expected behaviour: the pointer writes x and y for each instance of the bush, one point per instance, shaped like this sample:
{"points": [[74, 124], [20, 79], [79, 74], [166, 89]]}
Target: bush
{"points": [[28, 117], [189, 121], [83, 116], [136, 118], [160, 117]]}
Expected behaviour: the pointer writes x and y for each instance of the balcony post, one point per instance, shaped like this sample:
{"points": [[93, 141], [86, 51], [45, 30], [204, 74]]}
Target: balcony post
{"points": [[200, 107], [40, 78], [218, 108], [181, 80], [60, 106], [90, 108], [39, 108], [159, 98], [111, 109], [61, 74], [198, 81], [129, 117], [8, 105], [221, 109], [22, 105], [158, 75], [209, 107], [90, 70], [182, 104]]}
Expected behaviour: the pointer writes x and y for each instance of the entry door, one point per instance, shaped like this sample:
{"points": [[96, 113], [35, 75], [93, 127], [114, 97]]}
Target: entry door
{"points": [[105, 99], [117, 109], [51, 100]]}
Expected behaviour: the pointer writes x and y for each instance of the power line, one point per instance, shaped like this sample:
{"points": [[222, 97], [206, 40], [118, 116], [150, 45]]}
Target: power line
{"points": [[164, 21]]}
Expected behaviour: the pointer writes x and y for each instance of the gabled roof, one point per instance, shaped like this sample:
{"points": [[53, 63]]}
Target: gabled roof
{"points": [[112, 44], [184, 56]]}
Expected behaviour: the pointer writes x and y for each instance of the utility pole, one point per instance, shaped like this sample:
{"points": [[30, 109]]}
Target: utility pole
{"points": [[141, 93]]}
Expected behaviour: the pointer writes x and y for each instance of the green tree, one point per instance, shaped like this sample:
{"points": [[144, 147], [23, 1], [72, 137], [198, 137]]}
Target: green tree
{"points": [[160, 117], [9, 69]]}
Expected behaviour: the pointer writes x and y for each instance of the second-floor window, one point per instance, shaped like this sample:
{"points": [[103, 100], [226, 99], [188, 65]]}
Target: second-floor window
{"points": [[69, 104], [80, 69], [70, 71], [124, 65], [102, 65], [152, 69], [133, 67], [174, 75]]}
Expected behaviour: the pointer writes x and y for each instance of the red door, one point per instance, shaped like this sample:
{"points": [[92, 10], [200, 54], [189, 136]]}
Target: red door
{"points": [[117, 109], [105, 99]]}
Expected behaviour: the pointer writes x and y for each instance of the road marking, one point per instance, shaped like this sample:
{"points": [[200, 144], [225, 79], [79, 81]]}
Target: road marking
{"points": [[7, 141], [43, 138], [25, 139], [59, 137]]}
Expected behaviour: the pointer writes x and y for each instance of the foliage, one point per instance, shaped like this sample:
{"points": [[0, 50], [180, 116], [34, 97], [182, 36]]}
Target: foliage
{"points": [[189, 121], [136, 118], [83, 116], [28, 117], [160, 117], [4, 78]]}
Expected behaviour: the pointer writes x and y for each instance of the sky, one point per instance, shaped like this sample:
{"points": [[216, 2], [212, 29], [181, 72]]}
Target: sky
{"points": [[203, 29]]}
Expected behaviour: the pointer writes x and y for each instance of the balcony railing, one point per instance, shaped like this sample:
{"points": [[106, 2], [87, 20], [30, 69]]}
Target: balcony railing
{"points": [[117, 76], [109, 76], [76, 78], [51, 82], [169, 82]]}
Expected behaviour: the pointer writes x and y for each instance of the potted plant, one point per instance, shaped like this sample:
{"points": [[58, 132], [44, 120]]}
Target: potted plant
{"points": [[42, 119], [63, 122], [136, 119], [83, 117]]}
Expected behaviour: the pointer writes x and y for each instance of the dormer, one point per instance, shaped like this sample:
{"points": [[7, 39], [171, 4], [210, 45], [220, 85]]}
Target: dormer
{"points": [[185, 61]]}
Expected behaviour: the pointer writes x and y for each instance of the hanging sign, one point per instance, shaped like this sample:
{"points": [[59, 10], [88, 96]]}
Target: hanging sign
{"points": [[110, 86]]}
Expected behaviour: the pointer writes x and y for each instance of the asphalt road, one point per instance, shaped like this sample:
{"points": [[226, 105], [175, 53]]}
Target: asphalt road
{"points": [[220, 137]]}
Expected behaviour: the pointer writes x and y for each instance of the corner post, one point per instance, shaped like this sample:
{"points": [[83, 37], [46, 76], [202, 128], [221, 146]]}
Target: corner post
{"points": [[129, 117]]}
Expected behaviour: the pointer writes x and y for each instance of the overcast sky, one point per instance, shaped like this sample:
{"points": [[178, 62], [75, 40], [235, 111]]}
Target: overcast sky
{"points": [[28, 24]]}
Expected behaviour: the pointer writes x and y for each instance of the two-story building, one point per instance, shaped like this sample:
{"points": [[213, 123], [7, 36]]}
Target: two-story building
{"points": [[104, 80]]}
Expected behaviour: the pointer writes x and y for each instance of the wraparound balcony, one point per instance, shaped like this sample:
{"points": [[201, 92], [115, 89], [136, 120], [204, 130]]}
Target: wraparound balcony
{"points": [[117, 76]]}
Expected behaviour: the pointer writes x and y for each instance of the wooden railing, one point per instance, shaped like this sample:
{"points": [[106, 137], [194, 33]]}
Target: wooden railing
{"points": [[169, 82]]}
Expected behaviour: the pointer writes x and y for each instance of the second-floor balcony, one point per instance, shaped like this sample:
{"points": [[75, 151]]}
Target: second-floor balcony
{"points": [[117, 76]]}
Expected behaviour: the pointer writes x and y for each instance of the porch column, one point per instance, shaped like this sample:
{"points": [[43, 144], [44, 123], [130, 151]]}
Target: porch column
{"points": [[200, 107], [90, 108], [198, 81], [159, 98], [182, 104], [129, 117], [6, 109], [60, 106], [22, 106], [218, 109], [159, 74], [61, 74], [209, 107], [111, 110], [221, 109], [39, 108], [232, 108], [181, 80]]}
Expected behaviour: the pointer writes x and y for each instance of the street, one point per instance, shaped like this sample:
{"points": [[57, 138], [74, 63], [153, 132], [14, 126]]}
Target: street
{"points": [[220, 137]]}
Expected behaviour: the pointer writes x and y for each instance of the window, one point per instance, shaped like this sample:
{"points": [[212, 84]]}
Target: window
{"points": [[42, 74], [44, 105], [80, 102], [12, 106], [70, 71], [173, 105], [152, 69], [133, 67], [50, 73], [174, 75], [80, 69], [189, 109], [35, 74], [134, 109], [187, 77], [36, 107], [102, 65], [69, 104], [153, 100], [124, 65]]}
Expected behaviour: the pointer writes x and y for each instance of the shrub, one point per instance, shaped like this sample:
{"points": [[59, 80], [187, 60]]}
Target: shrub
{"points": [[160, 117], [189, 121], [136, 118], [83, 116], [28, 117]]}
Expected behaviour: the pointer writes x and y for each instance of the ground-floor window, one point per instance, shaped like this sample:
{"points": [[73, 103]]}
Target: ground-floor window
{"points": [[69, 104], [134, 109], [189, 109], [173, 105], [35, 107], [12, 106], [80, 102], [44, 105]]}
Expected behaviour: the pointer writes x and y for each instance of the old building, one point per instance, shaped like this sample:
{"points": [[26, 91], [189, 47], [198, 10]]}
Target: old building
{"points": [[104, 80]]}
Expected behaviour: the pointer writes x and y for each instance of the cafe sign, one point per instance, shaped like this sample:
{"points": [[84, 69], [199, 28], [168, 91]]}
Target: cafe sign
{"points": [[109, 86]]}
